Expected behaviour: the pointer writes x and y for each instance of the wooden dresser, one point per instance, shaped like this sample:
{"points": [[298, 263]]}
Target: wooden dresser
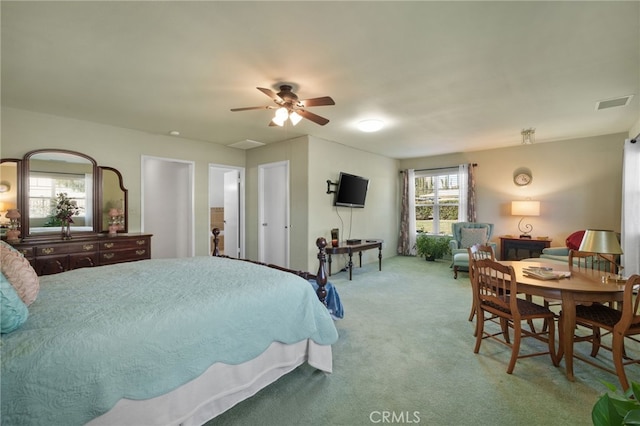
{"points": [[54, 256]]}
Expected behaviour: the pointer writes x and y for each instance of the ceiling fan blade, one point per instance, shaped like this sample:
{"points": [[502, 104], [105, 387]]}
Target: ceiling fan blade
{"points": [[270, 93], [250, 108], [325, 100], [313, 117]]}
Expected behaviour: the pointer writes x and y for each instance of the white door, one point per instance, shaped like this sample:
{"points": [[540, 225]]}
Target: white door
{"points": [[167, 206], [231, 213], [226, 190], [273, 204]]}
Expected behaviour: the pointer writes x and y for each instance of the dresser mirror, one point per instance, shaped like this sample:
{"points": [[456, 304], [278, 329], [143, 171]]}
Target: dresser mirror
{"points": [[9, 172], [43, 174]]}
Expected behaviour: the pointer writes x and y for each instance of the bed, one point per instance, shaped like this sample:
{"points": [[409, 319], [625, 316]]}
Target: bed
{"points": [[160, 341]]}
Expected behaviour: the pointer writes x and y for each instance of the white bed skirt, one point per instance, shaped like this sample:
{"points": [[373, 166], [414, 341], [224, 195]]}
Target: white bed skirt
{"points": [[220, 387]]}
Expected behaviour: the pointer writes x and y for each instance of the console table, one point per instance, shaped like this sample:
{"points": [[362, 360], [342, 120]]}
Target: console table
{"points": [[521, 248], [54, 256], [349, 249]]}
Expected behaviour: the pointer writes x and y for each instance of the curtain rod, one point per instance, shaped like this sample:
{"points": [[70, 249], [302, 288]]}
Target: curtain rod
{"points": [[441, 168]]}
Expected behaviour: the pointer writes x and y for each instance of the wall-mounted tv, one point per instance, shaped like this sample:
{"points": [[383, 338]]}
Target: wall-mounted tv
{"points": [[352, 190]]}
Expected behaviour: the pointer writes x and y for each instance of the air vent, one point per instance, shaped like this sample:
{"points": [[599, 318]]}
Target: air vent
{"points": [[246, 144], [612, 103]]}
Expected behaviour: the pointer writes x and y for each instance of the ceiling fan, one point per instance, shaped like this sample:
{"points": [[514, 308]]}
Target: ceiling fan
{"points": [[289, 106]]}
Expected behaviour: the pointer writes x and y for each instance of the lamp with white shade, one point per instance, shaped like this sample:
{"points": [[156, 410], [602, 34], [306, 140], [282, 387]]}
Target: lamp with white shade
{"points": [[524, 209]]}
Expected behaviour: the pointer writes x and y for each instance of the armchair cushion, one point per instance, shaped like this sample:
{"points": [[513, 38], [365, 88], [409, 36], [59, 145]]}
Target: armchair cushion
{"points": [[471, 236]]}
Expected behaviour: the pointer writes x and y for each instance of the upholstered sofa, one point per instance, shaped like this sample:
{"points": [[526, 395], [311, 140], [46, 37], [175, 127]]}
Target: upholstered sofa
{"points": [[466, 234]]}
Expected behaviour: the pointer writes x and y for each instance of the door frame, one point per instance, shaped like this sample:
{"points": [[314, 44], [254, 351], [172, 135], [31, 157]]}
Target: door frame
{"points": [[190, 246], [261, 210], [241, 212]]}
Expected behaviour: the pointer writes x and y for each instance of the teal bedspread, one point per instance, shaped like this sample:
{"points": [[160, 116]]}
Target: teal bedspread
{"points": [[138, 330]]}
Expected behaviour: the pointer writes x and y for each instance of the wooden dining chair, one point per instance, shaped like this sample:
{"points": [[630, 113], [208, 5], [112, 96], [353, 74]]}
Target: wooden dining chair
{"points": [[624, 323], [495, 293], [477, 252], [585, 260]]}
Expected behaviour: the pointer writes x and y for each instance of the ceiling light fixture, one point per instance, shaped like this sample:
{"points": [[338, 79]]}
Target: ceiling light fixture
{"points": [[528, 136], [371, 125], [283, 113]]}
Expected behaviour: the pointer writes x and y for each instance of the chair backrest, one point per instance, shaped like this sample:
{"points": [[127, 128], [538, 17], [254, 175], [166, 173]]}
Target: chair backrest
{"points": [[457, 228], [589, 260], [493, 283], [630, 307], [477, 252]]}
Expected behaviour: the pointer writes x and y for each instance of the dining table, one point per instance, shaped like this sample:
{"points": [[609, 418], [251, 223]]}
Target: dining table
{"points": [[581, 286]]}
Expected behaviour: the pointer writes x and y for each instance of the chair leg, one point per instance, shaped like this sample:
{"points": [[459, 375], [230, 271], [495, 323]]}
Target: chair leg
{"points": [[515, 348], [504, 325], [479, 330], [618, 353], [473, 311], [455, 272], [561, 338], [596, 341], [552, 343]]}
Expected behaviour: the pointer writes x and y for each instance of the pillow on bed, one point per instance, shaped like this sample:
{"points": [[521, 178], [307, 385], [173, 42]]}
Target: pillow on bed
{"points": [[472, 236], [13, 311], [18, 271], [6, 245]]}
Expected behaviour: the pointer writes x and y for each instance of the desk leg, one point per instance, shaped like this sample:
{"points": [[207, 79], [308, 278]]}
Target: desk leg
{"points": [[568, 329], [329, 264], [360, 257], [350, 265], [380, 257]]}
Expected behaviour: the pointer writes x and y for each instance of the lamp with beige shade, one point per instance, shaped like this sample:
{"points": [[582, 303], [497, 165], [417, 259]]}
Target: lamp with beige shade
{"points": [[525, 208]]}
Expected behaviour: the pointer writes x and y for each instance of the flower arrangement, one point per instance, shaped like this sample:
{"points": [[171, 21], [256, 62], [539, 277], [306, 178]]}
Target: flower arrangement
{"points": [[66, 208]]}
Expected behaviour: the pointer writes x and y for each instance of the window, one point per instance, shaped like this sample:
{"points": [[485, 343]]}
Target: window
{"points": [[43, 189], [439, 196]]}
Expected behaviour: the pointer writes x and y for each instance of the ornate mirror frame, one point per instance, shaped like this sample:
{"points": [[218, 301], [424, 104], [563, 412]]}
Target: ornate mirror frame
{"points": [[108, 204]]}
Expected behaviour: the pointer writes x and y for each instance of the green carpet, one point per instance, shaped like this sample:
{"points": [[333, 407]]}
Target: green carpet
{"points": [[405, 356]]}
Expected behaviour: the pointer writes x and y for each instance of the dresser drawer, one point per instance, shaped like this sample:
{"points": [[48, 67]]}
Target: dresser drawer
{"points": [[124, 244], [55, 249], [116, 256]]}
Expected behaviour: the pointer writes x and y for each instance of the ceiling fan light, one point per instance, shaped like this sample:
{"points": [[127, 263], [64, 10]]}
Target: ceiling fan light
{"points": [[278, 121], [295, 117], [282, 114], [372, 125]]}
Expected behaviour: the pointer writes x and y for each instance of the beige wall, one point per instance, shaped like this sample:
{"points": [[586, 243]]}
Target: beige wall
{"points": [[312, 162], [578, 183], [296, 152], [380, 216], [122, 149]]}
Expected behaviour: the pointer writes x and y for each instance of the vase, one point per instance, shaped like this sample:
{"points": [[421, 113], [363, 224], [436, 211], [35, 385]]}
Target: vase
{"points": [[66, 230]]}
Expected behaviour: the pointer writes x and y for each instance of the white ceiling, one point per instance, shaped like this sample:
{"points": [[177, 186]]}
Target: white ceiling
{"points": [[444, 76]]}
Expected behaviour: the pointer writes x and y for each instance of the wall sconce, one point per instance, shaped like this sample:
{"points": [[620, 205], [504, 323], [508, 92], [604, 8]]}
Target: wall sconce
{"points": [[602, 242], [525, 208], [528, 136], [13, 231]]}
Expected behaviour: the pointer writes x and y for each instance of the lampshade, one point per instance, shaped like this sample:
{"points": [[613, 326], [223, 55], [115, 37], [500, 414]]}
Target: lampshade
{"points": [[600, 241], [13, 214], [281, 116], [525, 208], [295, 117]]}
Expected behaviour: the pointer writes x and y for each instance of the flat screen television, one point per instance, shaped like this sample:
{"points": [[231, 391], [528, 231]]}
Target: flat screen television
{"points": [[352, 190]]}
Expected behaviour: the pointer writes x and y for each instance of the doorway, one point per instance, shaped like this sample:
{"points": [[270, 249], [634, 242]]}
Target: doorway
{"points": [[226, 205], [167, 206], [273, 206]]}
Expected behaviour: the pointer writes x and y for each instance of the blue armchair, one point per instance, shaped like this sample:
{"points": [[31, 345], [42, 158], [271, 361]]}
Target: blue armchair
{"points": [[466, 234]]}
